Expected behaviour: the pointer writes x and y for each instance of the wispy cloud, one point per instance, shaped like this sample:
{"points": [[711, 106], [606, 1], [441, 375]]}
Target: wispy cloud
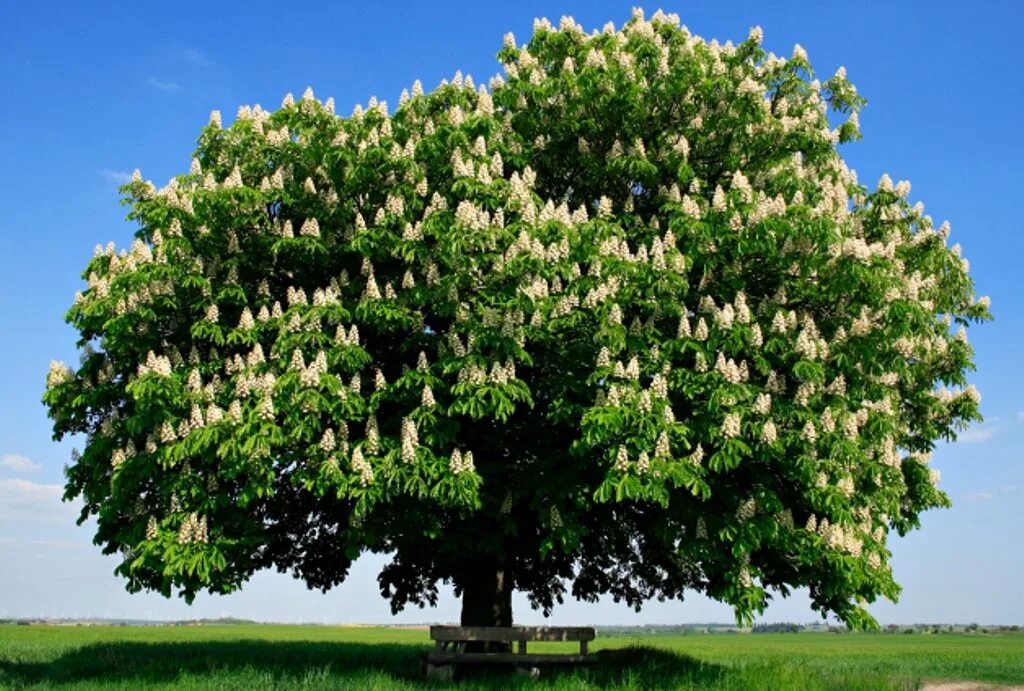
{"points": [[1020, 416], [190, 55], [19, 464], [977, 496], [119, 177], [162, 85], [35, 502], [976, 435]]}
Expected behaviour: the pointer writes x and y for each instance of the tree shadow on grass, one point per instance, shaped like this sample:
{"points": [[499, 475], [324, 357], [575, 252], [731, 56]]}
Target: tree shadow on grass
{"points": [[333, 665]]}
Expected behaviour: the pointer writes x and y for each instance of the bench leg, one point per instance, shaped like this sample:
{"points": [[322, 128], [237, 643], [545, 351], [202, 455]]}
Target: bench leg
{"points": [[440, 672], [531, 672]]}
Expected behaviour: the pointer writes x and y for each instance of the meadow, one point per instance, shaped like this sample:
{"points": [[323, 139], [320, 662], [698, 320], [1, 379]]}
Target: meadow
{"points": [[318, 657]]}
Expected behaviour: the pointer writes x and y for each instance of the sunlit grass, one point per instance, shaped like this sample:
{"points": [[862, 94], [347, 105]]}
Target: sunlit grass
{"points": [[307, 657]]}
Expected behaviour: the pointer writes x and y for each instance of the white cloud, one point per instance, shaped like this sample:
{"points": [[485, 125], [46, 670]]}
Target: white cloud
{"points": [[162, 85], [977, 496], [19, 464], [37, 502], [976, 435], [190, 55], [1020, 416], [118, 176]]}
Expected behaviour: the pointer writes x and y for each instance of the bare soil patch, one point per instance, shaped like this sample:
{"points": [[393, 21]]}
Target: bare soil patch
{"points": [[967, 686]]}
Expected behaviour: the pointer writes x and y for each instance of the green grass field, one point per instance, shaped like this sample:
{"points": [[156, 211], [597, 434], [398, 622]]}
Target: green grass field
{"points": [[306, 657]]}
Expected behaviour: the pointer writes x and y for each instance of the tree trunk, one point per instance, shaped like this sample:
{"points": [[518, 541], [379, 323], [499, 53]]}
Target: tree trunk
{"points": [[487, 599]]}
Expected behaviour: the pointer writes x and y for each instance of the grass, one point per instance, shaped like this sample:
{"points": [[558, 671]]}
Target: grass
{"points": [[304, 657]]}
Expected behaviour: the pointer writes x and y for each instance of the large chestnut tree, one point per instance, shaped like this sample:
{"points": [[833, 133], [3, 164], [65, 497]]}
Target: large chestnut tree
{"points": [[623, 323]]}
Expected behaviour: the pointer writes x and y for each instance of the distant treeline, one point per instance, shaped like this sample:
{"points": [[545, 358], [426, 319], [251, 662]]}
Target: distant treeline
{"points": [[649, 630], [780, 627]]}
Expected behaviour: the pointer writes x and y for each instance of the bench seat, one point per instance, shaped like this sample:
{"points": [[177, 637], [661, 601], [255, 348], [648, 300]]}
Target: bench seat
{"points": [[451, 642]]}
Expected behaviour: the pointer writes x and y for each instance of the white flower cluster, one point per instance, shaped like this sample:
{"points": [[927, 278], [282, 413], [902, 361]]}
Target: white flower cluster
{"points": [[266, 409], [362, 466], [461, 462], [327, 441], [410, 440], [621, 459], [731, 426], [155, 364], [58, 374], [809, 343], [309, 376], [837, 537], [372, 440], [747, 510], [733, 373], [193, 531]]}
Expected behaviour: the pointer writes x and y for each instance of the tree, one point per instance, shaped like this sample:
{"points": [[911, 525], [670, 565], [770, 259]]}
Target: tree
{"points": [[625, 324]]}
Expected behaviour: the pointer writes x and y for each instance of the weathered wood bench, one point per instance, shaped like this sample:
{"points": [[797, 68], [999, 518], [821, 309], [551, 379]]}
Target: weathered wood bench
{"points": [[451, 647]]}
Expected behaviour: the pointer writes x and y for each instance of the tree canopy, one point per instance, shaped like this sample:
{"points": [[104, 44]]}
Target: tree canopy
{"points": [[623, 323]]}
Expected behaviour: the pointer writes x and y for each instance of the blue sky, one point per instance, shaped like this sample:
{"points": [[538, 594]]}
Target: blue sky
{"points": [[94, 90]]}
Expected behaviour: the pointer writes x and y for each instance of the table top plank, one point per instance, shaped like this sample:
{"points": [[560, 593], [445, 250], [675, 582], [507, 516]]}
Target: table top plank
{"points": [[513, 633]]}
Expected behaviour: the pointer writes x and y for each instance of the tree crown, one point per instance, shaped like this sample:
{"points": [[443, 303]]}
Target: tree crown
{"points": [[625, 321]]}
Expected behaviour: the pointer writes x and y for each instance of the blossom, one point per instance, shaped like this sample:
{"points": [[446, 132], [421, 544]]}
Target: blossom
{"points": [[427, 398], [327, 441], [701, 332], [768, 432], [621, 459], [234, 179], [809, 433], [193, 530], [845, 486], [410, 440], [731, 425], [58, 374], [461, 462], [245, 322], [372, 292], [747, 510], [310, 228], [683, 330], [718, 200], [643, 463], [662, 448], [828, 422], [971, 393], [373, 436], [361, 466]]}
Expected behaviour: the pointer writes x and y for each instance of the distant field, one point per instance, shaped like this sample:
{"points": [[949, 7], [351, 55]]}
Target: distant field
{"points": [[306, 657]]}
